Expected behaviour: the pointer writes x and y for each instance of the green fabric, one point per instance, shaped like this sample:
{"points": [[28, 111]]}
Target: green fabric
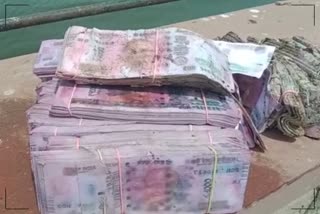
{"points": [[294, 84], [36, 6], [296, 68]]}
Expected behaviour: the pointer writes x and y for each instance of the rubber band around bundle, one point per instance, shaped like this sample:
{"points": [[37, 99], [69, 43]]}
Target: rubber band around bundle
{"points": [[156, 62], [120, 182], [213, 176], [205, 106], [190, 127], [240, 120], [70, 101], [80, 122], [100, 155], [78, 143]]}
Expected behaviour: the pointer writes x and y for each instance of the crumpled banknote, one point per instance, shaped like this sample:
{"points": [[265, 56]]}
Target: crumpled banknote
{"points": [[166, 56]]}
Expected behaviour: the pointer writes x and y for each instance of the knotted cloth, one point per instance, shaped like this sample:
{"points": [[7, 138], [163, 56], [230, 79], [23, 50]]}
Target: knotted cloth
{"points": [[294, 85]]}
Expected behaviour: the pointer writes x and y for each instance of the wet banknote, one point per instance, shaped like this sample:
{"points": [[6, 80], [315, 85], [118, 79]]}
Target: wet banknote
{"points": [[142, 179], [63, 186], [38, 115], [146, 103], [159, 56], [266, 110], [48, 57], [249, 64], [143, 97], [46, 138], [246, 58], [251, 88]]}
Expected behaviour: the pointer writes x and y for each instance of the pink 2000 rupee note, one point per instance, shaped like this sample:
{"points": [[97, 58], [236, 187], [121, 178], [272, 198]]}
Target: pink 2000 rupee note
{"points": [[155, 56], [145, 179], [164, 105]]}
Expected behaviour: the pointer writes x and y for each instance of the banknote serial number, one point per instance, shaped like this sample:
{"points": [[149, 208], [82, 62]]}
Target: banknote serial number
{"points": [[158, 162], [209, 161], [209, 172]]}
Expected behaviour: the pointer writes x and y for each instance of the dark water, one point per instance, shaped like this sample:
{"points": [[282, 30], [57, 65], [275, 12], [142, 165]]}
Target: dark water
{"points": [[35, 6], [27, 40]]}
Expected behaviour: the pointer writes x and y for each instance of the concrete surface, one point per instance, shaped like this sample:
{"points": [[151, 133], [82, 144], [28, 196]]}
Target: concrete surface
{"points": [[287, 171], [308, 203]]}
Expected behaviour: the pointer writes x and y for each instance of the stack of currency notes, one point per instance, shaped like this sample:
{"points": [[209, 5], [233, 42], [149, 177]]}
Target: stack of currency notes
{"points": [[39, 118], [137, 122], [162, 172], [167, 56], [38, 114], [160, 105], [48, 58]]}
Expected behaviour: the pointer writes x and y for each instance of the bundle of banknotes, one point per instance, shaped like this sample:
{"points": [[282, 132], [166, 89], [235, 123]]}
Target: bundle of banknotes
{"points": [[48, 58], [160, 105], [135, 122], [39, 114], [188, 153], [168, 56], [161, 172], [247, 124]]}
